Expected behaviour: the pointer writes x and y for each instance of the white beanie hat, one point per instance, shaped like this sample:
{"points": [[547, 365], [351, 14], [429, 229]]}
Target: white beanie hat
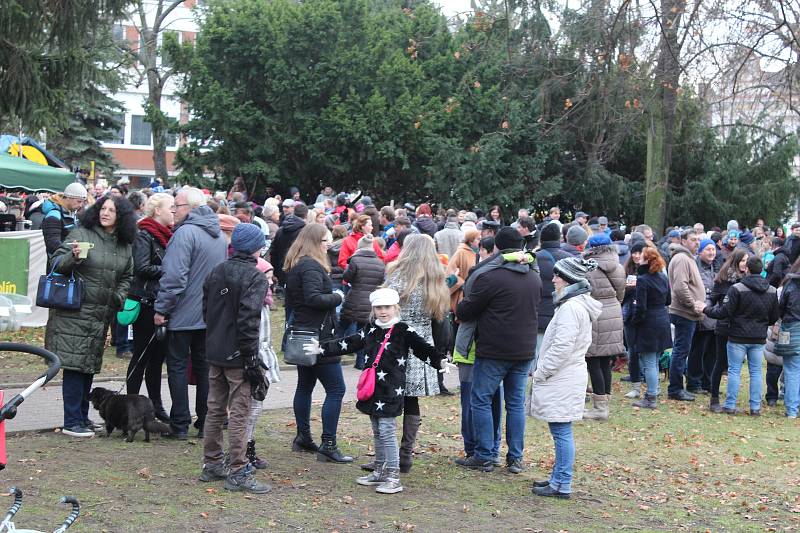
{"points": [[384, 297], [75, 190]]}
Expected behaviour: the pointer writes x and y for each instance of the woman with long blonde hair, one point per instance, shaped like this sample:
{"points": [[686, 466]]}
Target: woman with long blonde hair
{"points": [[419, 278], [311, 305]]}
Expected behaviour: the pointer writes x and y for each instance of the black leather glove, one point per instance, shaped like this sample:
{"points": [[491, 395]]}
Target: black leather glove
{"points": [[254, 374]]}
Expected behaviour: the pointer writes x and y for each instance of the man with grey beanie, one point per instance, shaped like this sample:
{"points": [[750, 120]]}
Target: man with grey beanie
{"points": [[576, 240], [61, 215]]}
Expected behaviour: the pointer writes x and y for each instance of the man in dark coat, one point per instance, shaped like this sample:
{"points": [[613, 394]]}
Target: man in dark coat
{"points": [[196, 247], [285, 237], [233, 295], [503, 299], [546, 257]]}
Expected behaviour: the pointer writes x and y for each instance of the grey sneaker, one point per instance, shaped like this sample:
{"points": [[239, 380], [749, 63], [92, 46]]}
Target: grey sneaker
{"points": [[392, 484], [376, 477], [245, 481], [515, 466], [214, 472]]}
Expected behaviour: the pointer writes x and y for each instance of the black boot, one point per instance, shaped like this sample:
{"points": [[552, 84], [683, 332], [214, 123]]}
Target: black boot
{"points": [[304, 442], [410, 429], [159, 412], [254, 459], [329, 453]]}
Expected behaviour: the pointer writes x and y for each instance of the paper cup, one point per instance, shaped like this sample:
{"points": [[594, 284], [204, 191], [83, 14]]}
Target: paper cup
{"points": [[83, 249]]}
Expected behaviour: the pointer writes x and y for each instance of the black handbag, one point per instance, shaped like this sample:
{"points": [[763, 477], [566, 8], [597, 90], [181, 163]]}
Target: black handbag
{"points": [[293, 341], [442, 333], [59, 292]]}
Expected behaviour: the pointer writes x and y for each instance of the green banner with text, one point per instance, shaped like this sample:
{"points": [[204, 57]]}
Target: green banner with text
{"points": [[14, 266]]}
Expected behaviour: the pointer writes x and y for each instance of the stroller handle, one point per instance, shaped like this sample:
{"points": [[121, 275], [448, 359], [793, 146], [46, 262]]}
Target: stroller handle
{"points": [[13, 491], [73, 515], [9, 410]]}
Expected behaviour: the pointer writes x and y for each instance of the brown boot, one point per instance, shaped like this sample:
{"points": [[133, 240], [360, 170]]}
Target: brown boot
{"points": [[600, 409], [410, 429]]}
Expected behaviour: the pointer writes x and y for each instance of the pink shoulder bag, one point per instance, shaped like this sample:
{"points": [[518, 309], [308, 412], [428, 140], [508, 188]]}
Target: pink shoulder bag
{"points": [[366, 381]]}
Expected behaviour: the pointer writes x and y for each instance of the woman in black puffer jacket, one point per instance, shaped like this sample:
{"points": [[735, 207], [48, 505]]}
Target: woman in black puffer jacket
{"points": [[311, 305], [365, 273], [148, 251], [731, 272]]}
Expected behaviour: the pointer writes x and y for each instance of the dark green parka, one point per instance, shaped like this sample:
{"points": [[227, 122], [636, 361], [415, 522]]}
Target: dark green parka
{"points": [[78, 337]]}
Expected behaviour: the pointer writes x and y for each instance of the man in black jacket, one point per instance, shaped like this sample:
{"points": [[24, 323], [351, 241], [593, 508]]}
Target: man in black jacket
{"points": [[751, 306], [233, 295], [285, 237], [504, 302]]}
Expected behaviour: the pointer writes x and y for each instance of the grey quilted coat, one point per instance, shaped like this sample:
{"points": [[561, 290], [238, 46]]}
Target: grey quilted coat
{"points": [[608, 288]]}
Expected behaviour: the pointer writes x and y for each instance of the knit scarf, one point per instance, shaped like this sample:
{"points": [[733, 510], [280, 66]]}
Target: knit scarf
{"points": [[158, 230], [389, 323], [570, 291]]}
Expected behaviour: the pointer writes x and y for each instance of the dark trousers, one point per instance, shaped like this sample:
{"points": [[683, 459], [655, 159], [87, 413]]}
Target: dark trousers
{"points": [[773, 379], [228, 396], [701, 360], [148, 358], [684, 333], [349, 327], [600, 374], [332, 379], [720, 364], [634, 368], [75, 388], [183, 346]]}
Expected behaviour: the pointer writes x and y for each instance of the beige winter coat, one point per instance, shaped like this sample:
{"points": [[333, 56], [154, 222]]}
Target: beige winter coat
{"points": [[608, 288], [685, 283], [559, 382]]}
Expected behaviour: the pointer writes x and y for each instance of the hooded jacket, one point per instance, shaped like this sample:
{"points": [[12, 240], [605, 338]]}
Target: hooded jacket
{"points": [[560, 379], [751, 306], [196, 247], [349, 247], [685, 283], [233, 295], [505, 303], [623, 251], [649, 316], [426, 225], [608, 288], [790, 300], [283, 240], [448, 238], [57, 223], [778, 267]]}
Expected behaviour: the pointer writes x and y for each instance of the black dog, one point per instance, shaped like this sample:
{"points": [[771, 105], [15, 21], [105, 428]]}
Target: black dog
{"points": [[129, 412]]}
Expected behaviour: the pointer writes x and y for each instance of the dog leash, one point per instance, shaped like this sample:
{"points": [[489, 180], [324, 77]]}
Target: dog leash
{"points": [[141, 358]]}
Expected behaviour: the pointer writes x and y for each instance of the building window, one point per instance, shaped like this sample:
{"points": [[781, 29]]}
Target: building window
{"points": [[118, 34], [118, 136], [141, 132]]}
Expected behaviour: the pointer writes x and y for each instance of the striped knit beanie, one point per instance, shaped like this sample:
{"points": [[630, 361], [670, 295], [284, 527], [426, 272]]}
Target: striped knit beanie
{"points": [[574, 269]]}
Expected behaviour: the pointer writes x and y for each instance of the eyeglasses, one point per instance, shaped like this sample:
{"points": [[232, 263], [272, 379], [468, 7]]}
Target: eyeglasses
{"points": [[176, 206]]}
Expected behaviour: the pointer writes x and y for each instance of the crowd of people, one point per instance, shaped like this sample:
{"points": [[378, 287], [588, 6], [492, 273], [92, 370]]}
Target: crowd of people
{"points": [[535, 314]]}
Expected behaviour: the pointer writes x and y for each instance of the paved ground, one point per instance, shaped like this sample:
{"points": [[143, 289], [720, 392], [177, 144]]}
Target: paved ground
{"points": [[43, 410]]}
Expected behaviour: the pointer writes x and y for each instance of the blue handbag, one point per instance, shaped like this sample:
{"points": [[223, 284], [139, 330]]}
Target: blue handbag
{"points": [[59, 292]]}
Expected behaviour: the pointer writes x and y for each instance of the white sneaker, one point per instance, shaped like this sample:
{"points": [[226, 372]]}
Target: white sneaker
{"points": [[634, 392]]}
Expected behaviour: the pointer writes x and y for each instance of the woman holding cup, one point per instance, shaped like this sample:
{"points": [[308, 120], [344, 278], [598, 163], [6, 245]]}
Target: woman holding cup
{"points": [[99, 252]]}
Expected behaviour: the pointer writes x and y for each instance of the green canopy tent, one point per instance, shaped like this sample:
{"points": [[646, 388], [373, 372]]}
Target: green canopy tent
{"points": [[19, 173]]}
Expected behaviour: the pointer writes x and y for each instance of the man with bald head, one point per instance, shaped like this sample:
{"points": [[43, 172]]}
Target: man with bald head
{"points": [[196, 247]]}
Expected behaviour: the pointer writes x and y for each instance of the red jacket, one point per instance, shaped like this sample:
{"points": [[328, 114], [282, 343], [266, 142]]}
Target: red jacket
{"points": [[392, 253], [349, 247]]}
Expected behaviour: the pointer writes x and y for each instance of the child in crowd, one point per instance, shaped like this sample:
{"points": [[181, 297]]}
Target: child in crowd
{"points": [[387, 342]]}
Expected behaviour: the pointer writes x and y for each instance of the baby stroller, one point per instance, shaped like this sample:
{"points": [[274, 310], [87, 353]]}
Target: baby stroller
{"points": [[8, 411]]}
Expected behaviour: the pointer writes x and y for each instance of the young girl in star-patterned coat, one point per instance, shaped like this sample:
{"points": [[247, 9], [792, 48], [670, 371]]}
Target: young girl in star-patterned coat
{"points": [[386, 404]]}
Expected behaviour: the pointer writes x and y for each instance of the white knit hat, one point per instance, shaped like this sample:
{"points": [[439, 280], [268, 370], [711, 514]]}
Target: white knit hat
{"points": [[384, 297], [75, 190]]}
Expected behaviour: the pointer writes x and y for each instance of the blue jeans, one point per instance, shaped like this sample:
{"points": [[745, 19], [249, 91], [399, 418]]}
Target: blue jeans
{"points": [[467, 429], [487, 376], [75, 388], [330, 375], [684, 331], [649, 364], [561, 479], [791, 383], [350, 328], [736, 356]]}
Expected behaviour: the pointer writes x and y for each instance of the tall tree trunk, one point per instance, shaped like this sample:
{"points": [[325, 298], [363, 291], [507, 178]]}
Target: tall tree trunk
{"points": [[149, 60], [661, 131]]}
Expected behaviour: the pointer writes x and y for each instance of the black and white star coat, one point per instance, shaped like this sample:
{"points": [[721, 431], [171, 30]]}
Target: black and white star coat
{"points": [[390, 374]]}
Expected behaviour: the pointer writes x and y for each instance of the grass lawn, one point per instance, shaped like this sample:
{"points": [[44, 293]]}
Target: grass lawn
{"points": [[679, 468]]}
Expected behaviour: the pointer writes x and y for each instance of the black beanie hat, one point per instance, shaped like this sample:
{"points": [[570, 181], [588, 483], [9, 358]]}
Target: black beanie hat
{"points": [[508, 239], [551, 232]]}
